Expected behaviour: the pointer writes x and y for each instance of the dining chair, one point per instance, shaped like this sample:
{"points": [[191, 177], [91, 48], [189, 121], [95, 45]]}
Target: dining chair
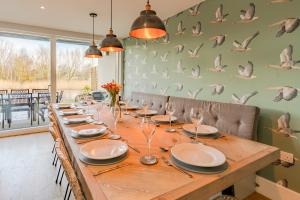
{"points": [[43, 99], [3, 92], [19, 91], [19, 102], [36, 91], [73, 183]]}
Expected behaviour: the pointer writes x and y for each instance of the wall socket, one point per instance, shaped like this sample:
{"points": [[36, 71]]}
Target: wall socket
{"points": [[287, 157]]}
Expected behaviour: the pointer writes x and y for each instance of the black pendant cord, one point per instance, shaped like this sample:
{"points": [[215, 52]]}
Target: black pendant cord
{"points": [[110, 14], [93, 30]]}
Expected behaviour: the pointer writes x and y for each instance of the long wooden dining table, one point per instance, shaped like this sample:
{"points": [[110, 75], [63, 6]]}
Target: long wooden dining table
{"points": [[160, 181]]}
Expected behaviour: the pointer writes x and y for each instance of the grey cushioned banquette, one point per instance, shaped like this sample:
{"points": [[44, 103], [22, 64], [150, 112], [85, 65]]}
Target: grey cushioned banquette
{"points": [[154, 101], [239, 120]]}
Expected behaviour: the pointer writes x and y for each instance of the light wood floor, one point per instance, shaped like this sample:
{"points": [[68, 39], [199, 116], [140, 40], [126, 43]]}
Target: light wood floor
{"points": [[26, 172]]}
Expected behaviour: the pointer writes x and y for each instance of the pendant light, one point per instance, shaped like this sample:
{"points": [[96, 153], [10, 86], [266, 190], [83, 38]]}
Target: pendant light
{"points": [[111, 42], [93, 51], [148, 25]]}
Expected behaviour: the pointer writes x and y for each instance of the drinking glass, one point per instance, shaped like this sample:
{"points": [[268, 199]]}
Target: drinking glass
{"points": [[116, 113], [197, 119], [148, 129], [126, 101], [170, 110], [88, 100], [99, 109]]}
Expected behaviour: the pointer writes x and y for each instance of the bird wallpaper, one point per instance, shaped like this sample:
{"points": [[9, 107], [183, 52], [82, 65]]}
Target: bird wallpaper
{"points": [[234, 51]]}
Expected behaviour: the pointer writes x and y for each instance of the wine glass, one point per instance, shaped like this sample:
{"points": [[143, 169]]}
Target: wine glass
{"points": [[170, 110], [126, 101], [88, 100], [99, 108], [197, 119], [144, 107], [148, 129]]}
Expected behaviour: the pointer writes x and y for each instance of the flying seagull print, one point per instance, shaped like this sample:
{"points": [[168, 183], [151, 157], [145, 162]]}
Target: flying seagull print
{"points": [[218, 40], [286, 59], [196, 72], [286, 93], [194, 53], [218, 89], [196, 30], [249, 14], [179, 48], [180, 28], [194, 94], [164, 58], [246, 71], [165, 74], [166, 39], [163, 91], [179, 68], [179, 87], [194, 11], [220, 16], [244, 99], [154, 69], [288, 25], [283, 126], [218, 66], [244, 46]]}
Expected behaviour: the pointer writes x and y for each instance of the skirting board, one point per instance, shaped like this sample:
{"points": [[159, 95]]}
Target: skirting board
{"points": [[275, 191], [23, 131]]}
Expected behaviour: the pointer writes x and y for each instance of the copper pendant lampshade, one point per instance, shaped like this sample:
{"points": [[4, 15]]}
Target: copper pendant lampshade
{"points": [[93, 51], [148, 25], [111, 42]]}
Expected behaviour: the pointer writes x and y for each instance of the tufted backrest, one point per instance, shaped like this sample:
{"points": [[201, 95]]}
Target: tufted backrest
{"points": [[154, 101], [239, 120]]}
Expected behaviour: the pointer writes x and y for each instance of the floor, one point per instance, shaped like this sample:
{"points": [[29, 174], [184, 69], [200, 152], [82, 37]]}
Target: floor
{"points": [[26, 172]]}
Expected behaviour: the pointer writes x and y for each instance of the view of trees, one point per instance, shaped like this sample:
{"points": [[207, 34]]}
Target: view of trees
{"points": [[33, 65]]}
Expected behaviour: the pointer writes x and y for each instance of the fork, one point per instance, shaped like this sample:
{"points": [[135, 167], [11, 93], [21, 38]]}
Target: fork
{"points": [[168, 162]]}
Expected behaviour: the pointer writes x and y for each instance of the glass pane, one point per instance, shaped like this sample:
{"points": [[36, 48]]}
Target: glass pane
{"points": [[24, 75], [75, 73]]}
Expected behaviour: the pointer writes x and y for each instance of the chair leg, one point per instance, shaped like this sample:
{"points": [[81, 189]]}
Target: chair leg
{"points": [[58, 174], [54, 159], [66, 191], [53, 148], [69, 194], [61, 177]]}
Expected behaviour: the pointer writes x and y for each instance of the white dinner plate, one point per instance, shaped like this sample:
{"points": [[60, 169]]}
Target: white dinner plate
{"points": [[163, 118], [91, 132], [202, 130], [71, 112], [77, 120], [197, 154], [130, 107], [146, 113], [64, 105], [104, 149]]}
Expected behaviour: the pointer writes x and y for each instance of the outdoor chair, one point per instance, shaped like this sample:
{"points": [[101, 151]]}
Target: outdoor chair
{"points": [[19, 91], [42, 102], [19, 103]]}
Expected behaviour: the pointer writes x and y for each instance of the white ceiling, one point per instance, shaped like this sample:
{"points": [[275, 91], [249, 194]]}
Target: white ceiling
{"points": [[73, 15]]}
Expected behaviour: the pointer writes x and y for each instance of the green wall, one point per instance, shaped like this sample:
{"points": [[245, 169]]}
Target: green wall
{"points": [[265, 49]]}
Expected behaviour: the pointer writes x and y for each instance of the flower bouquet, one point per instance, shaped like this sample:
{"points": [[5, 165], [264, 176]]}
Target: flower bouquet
{"points": [[113, 89]]}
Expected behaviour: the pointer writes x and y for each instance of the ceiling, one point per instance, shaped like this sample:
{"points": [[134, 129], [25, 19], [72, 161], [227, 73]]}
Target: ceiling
{"points": [[73, 15]]}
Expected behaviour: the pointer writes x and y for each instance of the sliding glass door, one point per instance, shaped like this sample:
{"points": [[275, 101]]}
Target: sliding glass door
{"points": [[24, 73], [74, 73]]}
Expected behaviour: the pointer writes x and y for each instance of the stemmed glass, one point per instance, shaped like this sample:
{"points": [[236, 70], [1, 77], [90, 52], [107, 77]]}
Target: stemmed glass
{"points": [[144, 107], [197, 119], [99, 108], [170, 110], [126, 101], [88, 100], [148, 129]]}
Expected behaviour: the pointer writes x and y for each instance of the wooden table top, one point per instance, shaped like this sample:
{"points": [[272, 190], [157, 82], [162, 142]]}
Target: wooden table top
{"points": [[160, 181]]}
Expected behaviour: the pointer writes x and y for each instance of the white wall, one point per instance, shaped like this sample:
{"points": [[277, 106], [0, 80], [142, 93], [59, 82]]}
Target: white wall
{"points": [[109, 68]]}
